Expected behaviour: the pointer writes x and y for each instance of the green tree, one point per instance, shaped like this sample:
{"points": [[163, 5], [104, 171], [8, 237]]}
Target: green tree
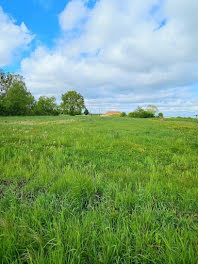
{"points": [[7, 80], [141, 113], [46, 106], [17, 100], [14, 97], [72, 103]]}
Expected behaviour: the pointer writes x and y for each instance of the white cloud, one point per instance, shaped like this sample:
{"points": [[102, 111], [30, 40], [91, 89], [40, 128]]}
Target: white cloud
{"points": [[123, 50], [73, 15], [13, 38]]}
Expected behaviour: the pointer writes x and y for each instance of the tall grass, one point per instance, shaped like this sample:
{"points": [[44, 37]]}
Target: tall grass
{"points": [[98, 190]]}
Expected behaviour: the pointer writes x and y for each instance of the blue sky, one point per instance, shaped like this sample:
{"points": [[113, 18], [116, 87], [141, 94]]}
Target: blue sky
{"points": [[40, 17], [118, 54]]}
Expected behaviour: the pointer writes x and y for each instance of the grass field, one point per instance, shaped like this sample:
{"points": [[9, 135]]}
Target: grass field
{"points": [[98, 190]]}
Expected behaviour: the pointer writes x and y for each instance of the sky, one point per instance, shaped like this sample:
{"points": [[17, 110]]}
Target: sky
{"points": [[119, 54]]}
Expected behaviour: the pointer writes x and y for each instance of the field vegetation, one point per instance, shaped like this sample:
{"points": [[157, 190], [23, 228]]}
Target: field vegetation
{"points": [[89, 189]]}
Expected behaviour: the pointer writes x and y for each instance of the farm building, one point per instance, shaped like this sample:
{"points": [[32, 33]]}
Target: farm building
{"points": [[112, 113]]}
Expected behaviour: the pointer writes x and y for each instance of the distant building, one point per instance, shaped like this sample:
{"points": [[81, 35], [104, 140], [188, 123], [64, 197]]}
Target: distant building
{"points": [[111, 113]]}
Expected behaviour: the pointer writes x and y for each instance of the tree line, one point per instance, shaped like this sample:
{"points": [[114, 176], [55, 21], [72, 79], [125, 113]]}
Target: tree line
{"points": [[15, 99], [150, 112]]}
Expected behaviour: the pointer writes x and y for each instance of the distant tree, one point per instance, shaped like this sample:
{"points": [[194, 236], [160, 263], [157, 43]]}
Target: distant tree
{"points": [[148, 114], [17, 100], [72, 103], [86, 112], [7, 80], [46, 106], [152, 108], [14, 97], [123, 114], [160, 115], [141, 113], [131, 114]]}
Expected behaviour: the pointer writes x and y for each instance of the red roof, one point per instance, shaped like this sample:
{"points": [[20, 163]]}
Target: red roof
{"points": [[113, 113]]}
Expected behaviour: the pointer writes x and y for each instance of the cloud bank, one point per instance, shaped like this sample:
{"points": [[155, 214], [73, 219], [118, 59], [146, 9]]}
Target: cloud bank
{"points": [[13, 38], [120, 54]]}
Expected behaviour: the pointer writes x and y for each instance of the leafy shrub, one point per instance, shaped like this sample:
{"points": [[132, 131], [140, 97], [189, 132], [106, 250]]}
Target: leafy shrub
{"points": [[86, 112], [141, 113], [123, 114], [131, 114], [46, 106], [160, 115]]}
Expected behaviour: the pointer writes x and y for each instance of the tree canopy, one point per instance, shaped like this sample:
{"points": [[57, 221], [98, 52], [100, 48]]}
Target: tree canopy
{"points": [[141, 113], [72, 103], [46, 106], [7, 80], [14, 97]]}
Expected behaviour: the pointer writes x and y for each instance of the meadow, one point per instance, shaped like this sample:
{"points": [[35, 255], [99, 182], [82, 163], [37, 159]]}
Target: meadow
{"points": [[98, 190]]}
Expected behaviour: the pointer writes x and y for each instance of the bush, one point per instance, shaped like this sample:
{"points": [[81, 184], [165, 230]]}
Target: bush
{"points": [[86, 112], [123, 114], [131, 114], [2, 108], [141, 113], [160, 115], [148, 114], [46, 106]]}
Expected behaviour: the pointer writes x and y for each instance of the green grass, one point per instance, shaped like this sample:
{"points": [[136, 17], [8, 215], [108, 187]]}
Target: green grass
{"points": [[98, 190]]}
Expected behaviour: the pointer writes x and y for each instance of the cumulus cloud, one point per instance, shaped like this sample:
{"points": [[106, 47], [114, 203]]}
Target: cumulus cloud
{"points": [[73, 15], [124, 49], [13, 38]]}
